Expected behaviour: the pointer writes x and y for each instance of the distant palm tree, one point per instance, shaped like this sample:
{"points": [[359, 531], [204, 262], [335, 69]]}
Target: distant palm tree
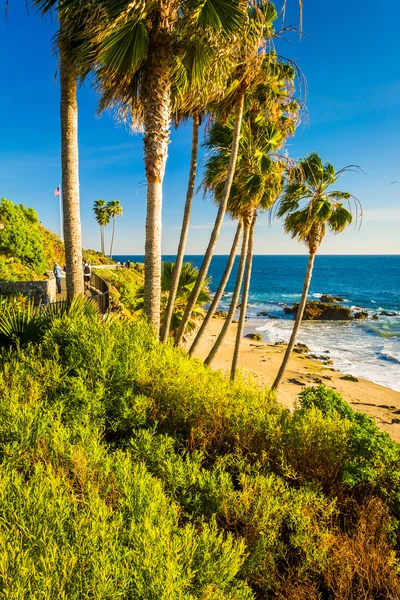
{"points": [[102, 218], [114, 209], [323, 208]]}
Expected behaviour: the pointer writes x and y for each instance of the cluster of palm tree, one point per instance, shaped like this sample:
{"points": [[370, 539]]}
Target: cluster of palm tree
{"points": [[211, 61], [104, 212]]}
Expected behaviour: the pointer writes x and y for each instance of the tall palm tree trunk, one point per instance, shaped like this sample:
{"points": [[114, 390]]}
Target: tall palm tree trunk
{"points": [[220, 290], [218, 222], [70, 176], [103, 246], [157, 90], [245, 299], [184, 231], [235, 296], [112, 237], [299, 316]]}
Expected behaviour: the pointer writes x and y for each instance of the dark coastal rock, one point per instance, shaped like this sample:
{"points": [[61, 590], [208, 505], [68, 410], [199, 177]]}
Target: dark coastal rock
{"points": [[263, 314], [349, 378], [360, 315], [301, 348], [280, 344], [254, 336], [375, 317], [385, 313], [321, 311], [328, 298]]}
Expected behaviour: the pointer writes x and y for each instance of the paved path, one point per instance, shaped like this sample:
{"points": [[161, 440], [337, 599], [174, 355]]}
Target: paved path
{"points": [[63, 295]]}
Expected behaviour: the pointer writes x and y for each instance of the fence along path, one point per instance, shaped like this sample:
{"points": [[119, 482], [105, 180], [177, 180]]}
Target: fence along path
{"points": [[99, 292]]}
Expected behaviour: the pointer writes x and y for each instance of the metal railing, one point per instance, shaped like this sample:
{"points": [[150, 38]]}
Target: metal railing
{"points": [[100, 292]]}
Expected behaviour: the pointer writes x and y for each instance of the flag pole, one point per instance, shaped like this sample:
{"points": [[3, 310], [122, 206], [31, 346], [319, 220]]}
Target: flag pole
{"points": [[61, 216]]}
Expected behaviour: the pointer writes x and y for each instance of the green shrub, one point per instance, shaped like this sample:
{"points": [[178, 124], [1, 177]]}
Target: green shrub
{"points": [[20, 235], [132, 471]]}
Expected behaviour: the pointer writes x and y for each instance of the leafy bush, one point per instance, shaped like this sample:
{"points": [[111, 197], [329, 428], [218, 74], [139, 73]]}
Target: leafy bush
{"points": [[148, 475], [20, 235]]}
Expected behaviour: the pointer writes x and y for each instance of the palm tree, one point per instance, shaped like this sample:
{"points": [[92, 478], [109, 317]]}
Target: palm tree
{"points": [[250, 69], [257, 183], [103, 218], [184, 230], [70, 37], [114, 209], [141, 54], [259, 179], [323, 208]]}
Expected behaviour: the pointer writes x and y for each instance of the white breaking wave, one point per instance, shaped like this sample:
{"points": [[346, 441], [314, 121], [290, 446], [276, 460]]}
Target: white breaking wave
{"points": [[351, 349]]}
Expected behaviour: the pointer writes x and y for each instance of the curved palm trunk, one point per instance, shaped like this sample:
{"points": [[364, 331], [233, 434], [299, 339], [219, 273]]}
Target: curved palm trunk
{"points": [[184, 231], [218, 223], [235, 296], [245, 299], [103, 248], [70, 177], [297, 322], [112, 236], [157, 109], [220, 290]]}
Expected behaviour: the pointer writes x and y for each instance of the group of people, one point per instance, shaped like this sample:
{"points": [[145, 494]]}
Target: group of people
{"points": [[87, 274]]}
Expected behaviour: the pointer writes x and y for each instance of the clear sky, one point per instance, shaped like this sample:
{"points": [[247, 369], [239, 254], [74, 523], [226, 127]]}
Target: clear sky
{"points": [[350, 58]]}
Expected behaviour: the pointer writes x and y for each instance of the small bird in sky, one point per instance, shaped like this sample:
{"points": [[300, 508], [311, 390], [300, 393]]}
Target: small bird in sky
{"points": [[393, 182]]}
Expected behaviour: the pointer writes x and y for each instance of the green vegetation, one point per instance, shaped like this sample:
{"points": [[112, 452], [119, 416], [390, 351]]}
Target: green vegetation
{"points": [[132, 471], [27, 249], [127, 291], [21, 241]]}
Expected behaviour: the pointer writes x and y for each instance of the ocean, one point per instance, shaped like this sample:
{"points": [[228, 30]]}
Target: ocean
{"points": [[369, 348]]}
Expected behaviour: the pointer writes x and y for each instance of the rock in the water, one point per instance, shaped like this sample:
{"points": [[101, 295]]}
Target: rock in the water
{"points": [[262, 314], [329, 298], [254, 336], [375, 317], [385, 313], [360, 315], [280, 344], [349, 378], [321, 311]]}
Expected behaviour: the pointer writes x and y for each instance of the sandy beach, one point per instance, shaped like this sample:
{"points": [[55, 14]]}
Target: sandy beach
{"points": [[261, 361]]}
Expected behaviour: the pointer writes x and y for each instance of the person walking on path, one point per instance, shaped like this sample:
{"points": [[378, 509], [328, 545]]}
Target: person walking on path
{"points": [[87, 273], [57, 274]]}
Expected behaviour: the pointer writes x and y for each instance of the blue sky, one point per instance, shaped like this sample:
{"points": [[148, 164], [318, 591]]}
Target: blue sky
{"points": [[349, 56]]}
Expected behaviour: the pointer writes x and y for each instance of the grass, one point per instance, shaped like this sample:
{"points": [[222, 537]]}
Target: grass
{"points": [[132, 471]]}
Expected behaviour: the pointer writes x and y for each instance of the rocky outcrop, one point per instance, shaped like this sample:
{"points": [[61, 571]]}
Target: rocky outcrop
{"points": [[322, 311], [328, 298]]}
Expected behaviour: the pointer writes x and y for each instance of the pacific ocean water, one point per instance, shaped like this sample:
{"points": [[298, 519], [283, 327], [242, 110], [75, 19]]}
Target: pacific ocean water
{"points": [[368, 348]]}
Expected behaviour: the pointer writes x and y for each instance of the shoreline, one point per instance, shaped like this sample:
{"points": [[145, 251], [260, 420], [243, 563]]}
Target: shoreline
{"points": [[260, 361]]}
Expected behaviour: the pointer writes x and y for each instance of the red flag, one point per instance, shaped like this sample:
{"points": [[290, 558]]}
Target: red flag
{"points": [[57, 191]]}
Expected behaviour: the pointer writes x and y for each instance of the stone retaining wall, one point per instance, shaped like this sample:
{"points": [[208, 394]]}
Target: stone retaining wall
{"points": [[42, 291]]}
